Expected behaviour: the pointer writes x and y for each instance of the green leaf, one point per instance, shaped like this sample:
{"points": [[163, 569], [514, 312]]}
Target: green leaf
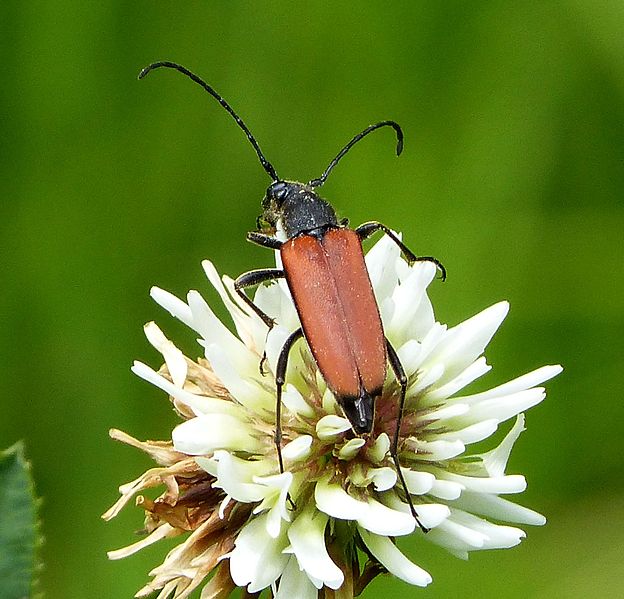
{"points": [[19, 537]]}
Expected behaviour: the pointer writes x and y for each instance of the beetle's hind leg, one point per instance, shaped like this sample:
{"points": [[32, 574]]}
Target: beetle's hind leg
{"points": [[367, 229], [399, 372], [280, 379]]}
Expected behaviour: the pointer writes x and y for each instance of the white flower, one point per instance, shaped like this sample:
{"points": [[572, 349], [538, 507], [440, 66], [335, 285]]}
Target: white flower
{"points": [[298, 531]]}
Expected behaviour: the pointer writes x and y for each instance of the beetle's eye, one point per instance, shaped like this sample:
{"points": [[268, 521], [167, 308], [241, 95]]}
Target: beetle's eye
{"points": [[277, 191]]}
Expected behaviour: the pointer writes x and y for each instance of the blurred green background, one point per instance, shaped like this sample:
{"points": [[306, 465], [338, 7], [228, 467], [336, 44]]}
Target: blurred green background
{"points": [[512, 174]]}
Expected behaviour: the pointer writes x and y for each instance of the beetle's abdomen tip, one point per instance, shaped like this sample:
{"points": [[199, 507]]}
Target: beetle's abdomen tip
{"points": [[360, 411]]}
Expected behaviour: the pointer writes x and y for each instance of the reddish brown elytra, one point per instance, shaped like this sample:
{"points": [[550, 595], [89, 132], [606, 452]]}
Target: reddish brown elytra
{"points": [[324, 267]]}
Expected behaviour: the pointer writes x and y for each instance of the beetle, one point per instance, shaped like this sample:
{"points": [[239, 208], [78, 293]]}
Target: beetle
{"points": [[324, 268]]}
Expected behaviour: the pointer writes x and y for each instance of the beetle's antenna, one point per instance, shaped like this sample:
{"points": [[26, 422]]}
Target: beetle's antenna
{"points": [[399, 148], [268, 167]]}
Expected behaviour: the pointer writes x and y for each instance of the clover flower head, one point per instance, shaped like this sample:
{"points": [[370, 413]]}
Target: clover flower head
{"points": [[328, 522]]}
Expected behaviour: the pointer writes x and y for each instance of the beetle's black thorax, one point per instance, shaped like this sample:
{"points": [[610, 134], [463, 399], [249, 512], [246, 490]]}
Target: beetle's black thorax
{"points": [[299, 209]]}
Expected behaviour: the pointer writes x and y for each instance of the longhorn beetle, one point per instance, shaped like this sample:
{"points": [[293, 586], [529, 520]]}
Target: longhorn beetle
{"points": [[324, 268]]}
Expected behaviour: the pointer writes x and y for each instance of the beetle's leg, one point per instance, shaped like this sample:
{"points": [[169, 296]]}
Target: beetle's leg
{"points": [[367, 229], [399, 372], [249, 279], [280, 378], [255, 277], [265, 241]]}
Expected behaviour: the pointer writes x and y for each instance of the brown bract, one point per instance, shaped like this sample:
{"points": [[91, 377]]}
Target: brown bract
{"points": [[189, 504]]}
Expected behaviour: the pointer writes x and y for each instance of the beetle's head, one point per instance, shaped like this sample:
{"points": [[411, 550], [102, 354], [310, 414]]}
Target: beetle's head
{"points": [[273, 205], [277, 191], [281, 192], [296, 207]]}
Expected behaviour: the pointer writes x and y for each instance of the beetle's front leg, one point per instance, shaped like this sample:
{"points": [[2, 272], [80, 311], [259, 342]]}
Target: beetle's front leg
{"points": [[266, 241], [367, 229]]}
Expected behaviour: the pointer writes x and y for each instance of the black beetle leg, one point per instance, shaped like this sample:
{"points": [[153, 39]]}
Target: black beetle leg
{"points": [[249, 279], [255, 277], [280, 379], [399, 372], [265, 241], [367, 229]]}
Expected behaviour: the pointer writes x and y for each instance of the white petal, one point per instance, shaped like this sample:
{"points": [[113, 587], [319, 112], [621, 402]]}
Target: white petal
{"points": [[331, 426], [386, 309], [423, 318], [467, 537], [410, 356], [464, 343], [257, 559], [335, 501], [328, 402], [407, 297], [383, 478], [477, 369], [446, 489], [276, 495], [495, 461], [294, 401], [496, 507], [298, 449], [503, 408], [235, 476], [268, 299], [377, 452], [205, 434], [450, 541], [395, 562], [438, 450], [210, 465], [242, 386], [372, 515], [427, 377], [429, 514], [433, 514], [200, 404], [473, 433], [512, 483], [307, 537], [434, 337], [495, 535], [295, 583], [242, 319], [213, 331], [383, 520], [417, 482], [380, 263], [521, 383], [502, 537], [274, 343], [175, 306], [174, 358], [351, 448], [444, 413], [275, 300], [226, 501]]}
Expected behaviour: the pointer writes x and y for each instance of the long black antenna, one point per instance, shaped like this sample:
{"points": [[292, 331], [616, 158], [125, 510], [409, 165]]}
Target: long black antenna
{"points": [[399, 148], [268, 167]]}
